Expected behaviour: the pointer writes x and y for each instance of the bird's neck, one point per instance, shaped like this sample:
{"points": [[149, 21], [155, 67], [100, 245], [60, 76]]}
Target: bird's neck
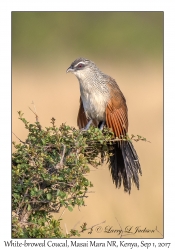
{"points": [[92, 81]]}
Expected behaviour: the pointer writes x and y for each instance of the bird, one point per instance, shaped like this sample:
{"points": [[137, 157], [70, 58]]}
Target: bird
{"points": [[102, 103]]}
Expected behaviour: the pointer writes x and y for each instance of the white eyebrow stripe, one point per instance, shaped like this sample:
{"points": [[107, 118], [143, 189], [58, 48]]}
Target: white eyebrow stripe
{"points": [[79, 63]]}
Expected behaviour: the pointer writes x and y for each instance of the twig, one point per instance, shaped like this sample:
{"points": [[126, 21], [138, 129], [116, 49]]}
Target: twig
{"points": [[77, 223], [66, 228], [25, 214], [37, 118], [62, 157], [91, 228], [22, 201], [62, 213], [60, 164], [120, 228], [34, 114], [159, 232], [18, 138], [34, 106]]}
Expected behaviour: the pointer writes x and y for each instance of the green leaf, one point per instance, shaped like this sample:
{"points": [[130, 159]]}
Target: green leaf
{"points": [[86, 183], [49, 196], [70, 208], [60, 178], [29, 207], [62, 194], [32, 193]]}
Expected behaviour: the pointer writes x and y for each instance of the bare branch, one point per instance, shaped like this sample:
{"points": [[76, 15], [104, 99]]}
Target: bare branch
{"points": [[60, 164], [19, 138], [36, 115]]}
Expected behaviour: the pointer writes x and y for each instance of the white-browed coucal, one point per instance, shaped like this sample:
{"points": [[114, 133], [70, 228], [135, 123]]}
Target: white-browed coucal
{"points": [[103, 103]]}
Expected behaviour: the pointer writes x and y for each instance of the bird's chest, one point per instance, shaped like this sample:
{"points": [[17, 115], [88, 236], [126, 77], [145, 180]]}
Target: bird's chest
{"points": [[94, 102]]}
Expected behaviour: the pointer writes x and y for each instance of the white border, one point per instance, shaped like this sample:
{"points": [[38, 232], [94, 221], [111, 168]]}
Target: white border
{"points": [[5, 95]]}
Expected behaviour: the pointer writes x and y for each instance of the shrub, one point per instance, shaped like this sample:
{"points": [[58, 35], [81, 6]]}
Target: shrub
{"points": [[48, 173]]}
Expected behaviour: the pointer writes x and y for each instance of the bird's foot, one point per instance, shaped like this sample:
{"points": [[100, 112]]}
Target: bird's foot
{"points": [[87, 126], [101, 125]]}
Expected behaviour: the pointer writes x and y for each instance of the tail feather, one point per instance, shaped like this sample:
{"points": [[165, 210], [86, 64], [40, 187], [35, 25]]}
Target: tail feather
{"points": [[124, 165]]}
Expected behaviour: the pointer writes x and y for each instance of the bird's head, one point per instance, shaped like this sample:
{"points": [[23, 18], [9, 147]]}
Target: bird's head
{"points": [[81, 67]]}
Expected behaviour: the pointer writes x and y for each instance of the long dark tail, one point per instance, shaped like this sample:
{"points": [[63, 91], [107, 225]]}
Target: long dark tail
{"points": [[124, 165]]}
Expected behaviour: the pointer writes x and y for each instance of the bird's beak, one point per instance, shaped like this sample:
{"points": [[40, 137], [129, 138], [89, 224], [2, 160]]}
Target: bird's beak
{"points": [[70, 69]]}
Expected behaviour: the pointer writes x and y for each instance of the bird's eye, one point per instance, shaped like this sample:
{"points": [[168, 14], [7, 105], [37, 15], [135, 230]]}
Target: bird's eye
{"points": [[80, 65]]}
